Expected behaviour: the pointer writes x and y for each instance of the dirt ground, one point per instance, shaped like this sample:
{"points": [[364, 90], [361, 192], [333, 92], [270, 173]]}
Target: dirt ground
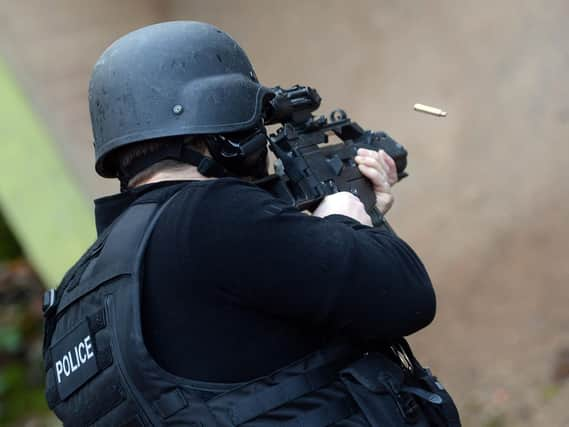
{"points": [[486, 204]]}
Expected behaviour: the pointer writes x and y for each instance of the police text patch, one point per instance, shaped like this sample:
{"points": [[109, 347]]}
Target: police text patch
{"points": [[74, 361]]}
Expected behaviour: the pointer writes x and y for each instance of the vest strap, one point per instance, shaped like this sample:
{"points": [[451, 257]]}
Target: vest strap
{"points": [[258, 403], [336, 410], [134, 421], [96, 321], [170, 403], [266, 394]]}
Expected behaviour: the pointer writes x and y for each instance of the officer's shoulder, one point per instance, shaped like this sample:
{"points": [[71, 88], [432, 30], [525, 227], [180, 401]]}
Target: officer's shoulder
{"points": [[233, 195], [234, 188]]}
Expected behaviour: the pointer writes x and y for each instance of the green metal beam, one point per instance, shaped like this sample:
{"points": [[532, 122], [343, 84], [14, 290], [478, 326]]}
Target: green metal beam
{"points": [[40, 200]]}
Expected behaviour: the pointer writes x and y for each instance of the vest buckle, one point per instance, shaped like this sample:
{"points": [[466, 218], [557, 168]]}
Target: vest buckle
{"points": [[49, 303]]}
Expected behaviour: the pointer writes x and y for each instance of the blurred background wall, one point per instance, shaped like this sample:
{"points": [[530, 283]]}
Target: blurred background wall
{"points": [[486, 203]]}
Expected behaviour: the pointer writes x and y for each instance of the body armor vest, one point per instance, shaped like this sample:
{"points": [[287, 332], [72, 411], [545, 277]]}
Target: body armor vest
{"points": [[99, 372]]}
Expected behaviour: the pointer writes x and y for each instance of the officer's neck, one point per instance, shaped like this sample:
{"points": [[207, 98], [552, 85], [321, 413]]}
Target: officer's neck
{"points": [[187, 172]]}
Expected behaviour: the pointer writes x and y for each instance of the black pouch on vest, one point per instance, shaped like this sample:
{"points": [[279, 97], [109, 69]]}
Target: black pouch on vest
{"points": [[394, 394]]}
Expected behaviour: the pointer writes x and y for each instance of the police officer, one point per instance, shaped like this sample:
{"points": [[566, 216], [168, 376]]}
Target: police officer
{"points": [[206, 301]]}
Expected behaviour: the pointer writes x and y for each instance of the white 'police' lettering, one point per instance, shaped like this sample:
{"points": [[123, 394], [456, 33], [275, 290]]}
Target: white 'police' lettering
{"points": [[73, 359]]}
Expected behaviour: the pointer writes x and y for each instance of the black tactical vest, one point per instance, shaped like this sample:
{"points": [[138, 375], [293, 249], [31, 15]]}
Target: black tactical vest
{"points": [[99, 372]]}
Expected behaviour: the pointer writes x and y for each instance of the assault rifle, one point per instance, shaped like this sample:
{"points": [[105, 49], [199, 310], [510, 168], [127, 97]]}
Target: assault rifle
{"points": [[315, 155]]}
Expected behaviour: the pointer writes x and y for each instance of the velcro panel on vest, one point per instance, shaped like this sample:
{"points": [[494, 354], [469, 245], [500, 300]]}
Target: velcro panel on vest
{"points": [[74, 360], [83, 384], [100, 398], [76, 357]]}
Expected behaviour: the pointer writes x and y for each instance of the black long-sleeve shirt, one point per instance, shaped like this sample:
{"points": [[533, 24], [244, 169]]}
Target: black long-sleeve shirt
{"points": [[238, 284]]}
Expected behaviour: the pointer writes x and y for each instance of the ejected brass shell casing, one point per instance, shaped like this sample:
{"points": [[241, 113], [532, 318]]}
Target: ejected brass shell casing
{"points": [[430, 110]]}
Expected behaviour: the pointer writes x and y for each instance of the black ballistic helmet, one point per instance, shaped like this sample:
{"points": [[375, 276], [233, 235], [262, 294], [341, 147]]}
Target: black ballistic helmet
{"points": [[169, 79]]}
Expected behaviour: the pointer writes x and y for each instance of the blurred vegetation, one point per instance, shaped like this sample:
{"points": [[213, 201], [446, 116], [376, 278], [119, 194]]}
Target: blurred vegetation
{"points": [[22, 401], [9, 248], [66, 221]]}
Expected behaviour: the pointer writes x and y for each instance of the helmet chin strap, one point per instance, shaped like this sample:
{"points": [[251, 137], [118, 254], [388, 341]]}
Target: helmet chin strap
{"points": [[241, 156], [179, 151]]}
